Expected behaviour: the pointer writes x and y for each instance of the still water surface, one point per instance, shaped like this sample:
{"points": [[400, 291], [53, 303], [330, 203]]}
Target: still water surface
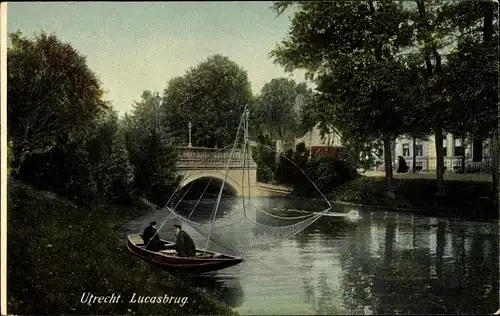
{"points": [[384, 263]]}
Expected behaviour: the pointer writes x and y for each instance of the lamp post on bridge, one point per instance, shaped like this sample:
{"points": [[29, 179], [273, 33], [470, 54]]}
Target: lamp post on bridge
{"points": [[189, 126], [247, 114]]}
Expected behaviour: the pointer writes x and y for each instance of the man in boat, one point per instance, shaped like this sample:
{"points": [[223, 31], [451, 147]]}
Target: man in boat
{"points": [[184, 244], [151, 238]]}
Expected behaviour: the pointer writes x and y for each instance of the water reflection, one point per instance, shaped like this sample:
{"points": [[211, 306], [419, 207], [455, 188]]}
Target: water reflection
{"points": [[227, 290], [386, 263]]}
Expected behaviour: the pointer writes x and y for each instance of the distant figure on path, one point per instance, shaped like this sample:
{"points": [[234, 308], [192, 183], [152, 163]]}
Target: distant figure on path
{"points": [[402, 166], [151, 238], [183, 243]]}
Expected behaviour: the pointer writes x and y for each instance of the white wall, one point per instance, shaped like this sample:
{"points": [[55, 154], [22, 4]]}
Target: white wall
{"points": [[409, 141], [313, 138]]}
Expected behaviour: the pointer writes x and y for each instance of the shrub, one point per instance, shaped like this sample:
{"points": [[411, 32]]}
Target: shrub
{"points": [[264, 174], [265, 159], [292, 164], [326, 173]]}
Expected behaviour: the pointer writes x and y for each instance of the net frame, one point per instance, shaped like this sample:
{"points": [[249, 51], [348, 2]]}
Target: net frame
{"points": [[285, 232]]}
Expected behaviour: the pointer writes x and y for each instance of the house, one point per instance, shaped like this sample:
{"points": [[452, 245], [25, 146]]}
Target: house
{"points": [[477, 153], [478, 156], [330, 144]]}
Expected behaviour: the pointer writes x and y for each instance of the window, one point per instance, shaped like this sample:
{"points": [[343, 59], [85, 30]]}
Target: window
{"points": [[419, 150], [406, 150], [459, 148], [445, 143]]}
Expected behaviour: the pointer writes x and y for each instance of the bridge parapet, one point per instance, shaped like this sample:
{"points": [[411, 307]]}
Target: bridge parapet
{"points": [[201, 157]]}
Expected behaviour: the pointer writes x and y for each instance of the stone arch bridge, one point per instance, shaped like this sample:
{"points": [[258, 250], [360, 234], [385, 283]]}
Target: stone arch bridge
{"points": [[200, 163]]}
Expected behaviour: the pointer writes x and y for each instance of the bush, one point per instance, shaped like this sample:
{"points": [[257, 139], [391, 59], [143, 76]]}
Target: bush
{"points": [[326, 173], [286, 170], [265, 160], [264, 174], [291, 165]]}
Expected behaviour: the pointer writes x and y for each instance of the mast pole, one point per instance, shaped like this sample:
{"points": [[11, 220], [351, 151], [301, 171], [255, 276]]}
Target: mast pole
{"points": [[223, 182]]}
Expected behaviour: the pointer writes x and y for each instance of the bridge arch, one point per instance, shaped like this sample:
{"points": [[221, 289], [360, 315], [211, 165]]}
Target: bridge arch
{"points": [[231, 185]]}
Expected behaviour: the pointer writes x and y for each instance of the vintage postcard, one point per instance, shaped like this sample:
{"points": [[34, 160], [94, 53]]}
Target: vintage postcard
{"points": [[250, 158]]}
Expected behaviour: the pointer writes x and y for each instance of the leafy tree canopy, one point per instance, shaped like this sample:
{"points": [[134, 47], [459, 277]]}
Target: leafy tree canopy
{"points": [[212, 97], [53, 95]]}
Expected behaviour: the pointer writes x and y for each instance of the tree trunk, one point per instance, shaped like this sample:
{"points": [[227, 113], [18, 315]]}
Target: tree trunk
{"points": [[438, 132], [388, 165], [438, 127], [495, 155], [436, 91], [414, 155], [495, 172], [463, 154]]}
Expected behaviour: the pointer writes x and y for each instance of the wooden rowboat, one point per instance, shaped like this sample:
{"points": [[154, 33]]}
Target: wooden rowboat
{"points": [[204, 261]]}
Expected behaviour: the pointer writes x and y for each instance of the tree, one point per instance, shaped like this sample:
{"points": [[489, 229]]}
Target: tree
{"points": [[53, 95], [277, 110], [118, 172], [144, 118], [431, 31], [212, 97], [417, 124], [156, 176], [472, 77], [150, 150], [350, 49]]}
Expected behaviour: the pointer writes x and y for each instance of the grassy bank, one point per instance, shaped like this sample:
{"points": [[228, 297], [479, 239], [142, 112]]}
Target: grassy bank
{"points": [[468, 199], [57, 251]]}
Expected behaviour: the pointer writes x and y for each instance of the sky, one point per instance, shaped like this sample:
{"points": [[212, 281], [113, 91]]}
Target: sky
{"points": [[134, 47]]}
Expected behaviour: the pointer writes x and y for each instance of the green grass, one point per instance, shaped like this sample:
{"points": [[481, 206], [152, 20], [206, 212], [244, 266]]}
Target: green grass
{"points": [[57, 251], [463, 198]]}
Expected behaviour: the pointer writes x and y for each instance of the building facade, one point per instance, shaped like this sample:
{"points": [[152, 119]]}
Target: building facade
{"points": [[477, 153], [478, 156], [328, 145]]}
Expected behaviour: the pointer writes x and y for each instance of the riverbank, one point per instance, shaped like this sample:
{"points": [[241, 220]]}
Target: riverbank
{"points": [[58, 251], [465, 199]]}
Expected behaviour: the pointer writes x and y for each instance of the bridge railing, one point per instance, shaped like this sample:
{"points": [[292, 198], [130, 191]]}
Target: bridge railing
{"points": [[212, 157]]}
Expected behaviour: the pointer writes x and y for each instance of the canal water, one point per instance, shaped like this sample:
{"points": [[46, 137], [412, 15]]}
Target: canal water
{"points": [[382, 263]]}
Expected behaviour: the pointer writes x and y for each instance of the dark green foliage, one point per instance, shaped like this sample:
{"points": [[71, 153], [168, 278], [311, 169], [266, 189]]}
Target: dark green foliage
{"points": [[67, 171], [150, 151], [301, 156], [265, 174], [286, 171], [265, 159], [363, 154], [118, 173], [468, 199], [155, 173], [64, 135], [53, 95], [277, 109], [326, 173], [292, 165], [211, 96]]}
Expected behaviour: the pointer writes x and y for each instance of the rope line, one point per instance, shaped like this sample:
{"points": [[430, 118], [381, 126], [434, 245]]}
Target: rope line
{"points": [[291, 217], [225, 178], [177, 190], [213, 228], [201, 196]]}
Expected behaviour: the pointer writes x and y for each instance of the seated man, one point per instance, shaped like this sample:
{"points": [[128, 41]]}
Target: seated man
{"points": [[151, 238], [183, 243]]}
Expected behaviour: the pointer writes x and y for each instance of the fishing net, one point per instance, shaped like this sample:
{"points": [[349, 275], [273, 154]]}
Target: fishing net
{"points": [[240, 228]]}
